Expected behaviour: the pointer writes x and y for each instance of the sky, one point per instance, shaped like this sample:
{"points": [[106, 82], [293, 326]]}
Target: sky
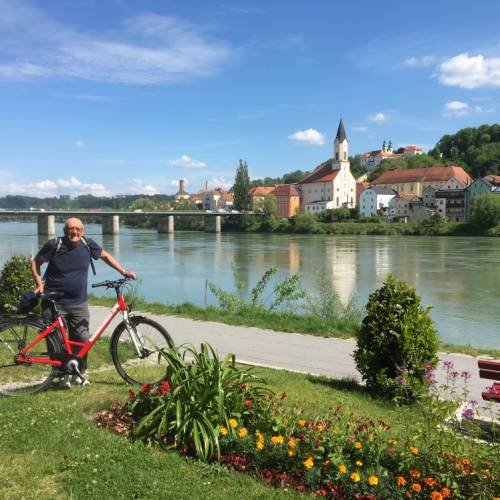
{"points": [[116, 97]]}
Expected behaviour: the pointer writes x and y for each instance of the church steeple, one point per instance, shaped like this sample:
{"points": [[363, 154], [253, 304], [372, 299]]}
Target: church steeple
{"points": [[340, 147]]}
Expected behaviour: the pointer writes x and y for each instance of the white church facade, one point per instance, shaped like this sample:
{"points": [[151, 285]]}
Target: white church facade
{"points": [[331, 185]]}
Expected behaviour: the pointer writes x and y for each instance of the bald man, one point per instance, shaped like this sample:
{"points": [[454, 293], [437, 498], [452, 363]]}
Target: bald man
{"points": [[67, 271]]}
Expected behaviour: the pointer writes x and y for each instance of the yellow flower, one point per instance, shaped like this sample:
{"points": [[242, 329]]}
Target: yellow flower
{"points": [[392, 441], [223, 431], [291, 452], [277, 439], [357, 445], [309, 462], [233, 423], [373, 480], [301, 422], [413, 450], [259, 445], [243, 432], [292, 443], [259, 436], [358, 463], [355, 477], [342, 469]]}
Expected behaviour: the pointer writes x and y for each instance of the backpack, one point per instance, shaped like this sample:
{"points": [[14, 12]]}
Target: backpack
{"points": [[59, 242]]}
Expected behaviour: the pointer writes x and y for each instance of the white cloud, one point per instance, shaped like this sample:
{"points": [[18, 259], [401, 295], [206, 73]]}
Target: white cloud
{"points": [[222, 182], [138, 186], [359, 129], [47, 187], [470, 72], [187, 162], [148, 49], [480, 109], [309, 136], [420, 61], [378, 117], [79, 143], [456, 108]]}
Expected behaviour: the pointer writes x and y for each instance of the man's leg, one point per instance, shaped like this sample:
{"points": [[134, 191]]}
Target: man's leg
{"points": [[77, 318]]}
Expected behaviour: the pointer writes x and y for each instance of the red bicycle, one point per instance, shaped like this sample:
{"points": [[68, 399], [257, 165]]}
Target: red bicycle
{"points": [[33, 353]]}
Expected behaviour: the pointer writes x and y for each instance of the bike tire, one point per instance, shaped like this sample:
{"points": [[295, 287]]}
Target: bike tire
{"points": [[20, 379], [133, 369]]}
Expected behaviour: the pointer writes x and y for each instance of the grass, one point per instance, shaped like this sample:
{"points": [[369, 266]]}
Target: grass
{"points": [[50, 444], [283, 322]]}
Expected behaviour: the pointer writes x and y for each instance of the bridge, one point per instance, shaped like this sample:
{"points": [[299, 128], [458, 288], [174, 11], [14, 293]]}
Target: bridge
{"points": [[111, 220]]}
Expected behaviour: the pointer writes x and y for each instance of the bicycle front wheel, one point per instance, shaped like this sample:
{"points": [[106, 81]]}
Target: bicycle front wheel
{"points": [[150, 366], [23, 378]]}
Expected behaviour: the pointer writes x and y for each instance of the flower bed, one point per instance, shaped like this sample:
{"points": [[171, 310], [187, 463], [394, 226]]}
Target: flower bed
{"points": [[223, 413]]}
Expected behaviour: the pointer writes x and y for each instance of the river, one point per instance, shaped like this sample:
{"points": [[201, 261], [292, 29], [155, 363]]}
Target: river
{"points": [[460, 277]]}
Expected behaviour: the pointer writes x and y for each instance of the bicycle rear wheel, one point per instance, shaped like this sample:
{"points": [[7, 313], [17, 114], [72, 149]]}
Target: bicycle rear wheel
{"points": [[18, 379], [151, 366]]}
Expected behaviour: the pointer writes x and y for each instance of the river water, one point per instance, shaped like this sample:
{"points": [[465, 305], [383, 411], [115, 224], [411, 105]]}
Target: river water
{"points": [[460, 277]]}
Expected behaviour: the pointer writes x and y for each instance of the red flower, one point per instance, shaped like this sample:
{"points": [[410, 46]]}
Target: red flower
{"points": [[248, 403], [164, 387], [146, 388], [131, 395]]}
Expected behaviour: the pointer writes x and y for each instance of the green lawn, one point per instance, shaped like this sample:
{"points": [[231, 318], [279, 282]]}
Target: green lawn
{"points": [[51, 447]]}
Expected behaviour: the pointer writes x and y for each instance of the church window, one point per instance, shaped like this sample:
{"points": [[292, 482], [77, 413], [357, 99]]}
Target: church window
{"points": [[337, 156]]}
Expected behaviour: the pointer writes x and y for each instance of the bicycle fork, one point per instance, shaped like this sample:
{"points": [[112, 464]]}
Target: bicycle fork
{"points": [[136, 340]]}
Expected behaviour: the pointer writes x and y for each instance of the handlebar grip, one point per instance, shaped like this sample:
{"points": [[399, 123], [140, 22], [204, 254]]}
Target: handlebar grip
{"points": [[102, 283]]}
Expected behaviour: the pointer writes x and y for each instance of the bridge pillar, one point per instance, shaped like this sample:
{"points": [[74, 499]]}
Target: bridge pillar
{"points": [[111, 224], [212, 223], [46, 225], [166, 224]]}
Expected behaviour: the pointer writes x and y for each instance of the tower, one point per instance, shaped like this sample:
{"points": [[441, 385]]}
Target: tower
{"points": [[340, 148]]}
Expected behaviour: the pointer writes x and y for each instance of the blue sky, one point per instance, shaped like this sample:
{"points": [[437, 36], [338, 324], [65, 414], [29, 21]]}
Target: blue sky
{"points": [[121, 96]]}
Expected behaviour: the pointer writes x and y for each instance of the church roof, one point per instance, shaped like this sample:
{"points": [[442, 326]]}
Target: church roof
{"points": [[322, 173], [286, 190], [341, 132]]}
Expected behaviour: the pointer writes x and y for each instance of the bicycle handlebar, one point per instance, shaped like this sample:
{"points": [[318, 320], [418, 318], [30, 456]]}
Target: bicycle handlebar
{"points": [[111, 283]]}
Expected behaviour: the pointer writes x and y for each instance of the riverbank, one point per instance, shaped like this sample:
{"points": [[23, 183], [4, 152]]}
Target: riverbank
{"points": [[290, 323]]}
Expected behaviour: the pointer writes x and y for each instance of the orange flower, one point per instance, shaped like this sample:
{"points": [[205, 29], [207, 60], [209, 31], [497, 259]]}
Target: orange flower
{"points": [[357, 445], [355, 477], [373, 480], [414, 473], [291, 452], [292, 443], [233, 423], [358, 463], [446, 493], [416, 487], [466, 461], [413, 450], [429, 481], [277, 439], [309, 462], [301, 422], [342, 469], [435, 495], [401, 481], [223, 431], [243, 432]]}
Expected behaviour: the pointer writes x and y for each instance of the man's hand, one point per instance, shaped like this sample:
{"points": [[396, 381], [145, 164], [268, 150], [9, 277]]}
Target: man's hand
{"points": [[129, 274], [39, 289]]}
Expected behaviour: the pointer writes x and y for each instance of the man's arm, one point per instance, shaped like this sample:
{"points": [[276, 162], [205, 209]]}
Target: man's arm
{"points": [[35, 271], [112, 262]]}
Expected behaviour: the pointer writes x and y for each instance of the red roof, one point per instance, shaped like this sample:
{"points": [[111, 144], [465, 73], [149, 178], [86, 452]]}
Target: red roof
{"points": [[412, 148], [322, 173], [494, 179], [407, 196], [428, 174], [261, 190], [286, 190]]}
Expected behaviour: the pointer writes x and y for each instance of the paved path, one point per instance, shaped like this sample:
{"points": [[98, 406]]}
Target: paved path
{"points": [[291, 351]]}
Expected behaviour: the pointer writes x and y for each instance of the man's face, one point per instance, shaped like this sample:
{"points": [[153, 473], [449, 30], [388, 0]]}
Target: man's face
{"points": [[73, 230]]}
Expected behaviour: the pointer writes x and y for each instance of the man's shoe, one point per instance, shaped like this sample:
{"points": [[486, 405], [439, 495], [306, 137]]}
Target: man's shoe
{"points": [[78, 381], [64, 382]]}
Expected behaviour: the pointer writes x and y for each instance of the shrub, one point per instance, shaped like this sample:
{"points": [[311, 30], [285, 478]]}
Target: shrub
{"points": [[397, 343], [15, 279], [201, 396]]}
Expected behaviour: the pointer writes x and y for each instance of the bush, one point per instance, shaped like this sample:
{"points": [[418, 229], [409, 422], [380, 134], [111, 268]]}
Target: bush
{"points": [[397, 343], [15, 279]]}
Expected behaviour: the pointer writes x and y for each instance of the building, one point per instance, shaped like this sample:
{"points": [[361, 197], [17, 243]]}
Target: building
{"points": [[450, 200], [375, 199], [217, 200], [181, 194], [372, 159], [415, 180], [257, 194], [331, 184], [400, 206], [288, 199], [488, 184]]}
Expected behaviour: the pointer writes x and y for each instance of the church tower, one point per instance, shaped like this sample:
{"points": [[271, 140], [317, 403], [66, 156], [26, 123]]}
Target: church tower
{"points": [[340, 149]]}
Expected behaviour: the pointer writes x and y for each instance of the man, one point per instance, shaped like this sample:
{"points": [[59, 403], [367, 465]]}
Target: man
{"points": [[67, 271]]}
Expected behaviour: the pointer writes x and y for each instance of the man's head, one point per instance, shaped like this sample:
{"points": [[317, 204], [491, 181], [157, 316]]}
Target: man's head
{"points": [[73, 230]]}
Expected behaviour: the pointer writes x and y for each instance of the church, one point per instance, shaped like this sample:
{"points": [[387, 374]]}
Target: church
{"points": [[331, 185]]}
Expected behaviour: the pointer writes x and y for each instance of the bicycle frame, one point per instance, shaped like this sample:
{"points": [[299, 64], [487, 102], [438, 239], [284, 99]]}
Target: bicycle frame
{"points": [[58, 324]]}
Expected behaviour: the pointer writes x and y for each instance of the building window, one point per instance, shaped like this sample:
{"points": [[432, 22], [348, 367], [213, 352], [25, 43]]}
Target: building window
{"points": [[337, 156]]}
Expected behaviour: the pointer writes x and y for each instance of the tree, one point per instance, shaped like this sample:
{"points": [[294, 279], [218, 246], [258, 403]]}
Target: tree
{"points": [[485, 211], [241, 187]]}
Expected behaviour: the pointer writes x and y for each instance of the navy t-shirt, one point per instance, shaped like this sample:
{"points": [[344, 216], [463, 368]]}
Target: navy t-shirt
{"points": [[68, 269]]}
